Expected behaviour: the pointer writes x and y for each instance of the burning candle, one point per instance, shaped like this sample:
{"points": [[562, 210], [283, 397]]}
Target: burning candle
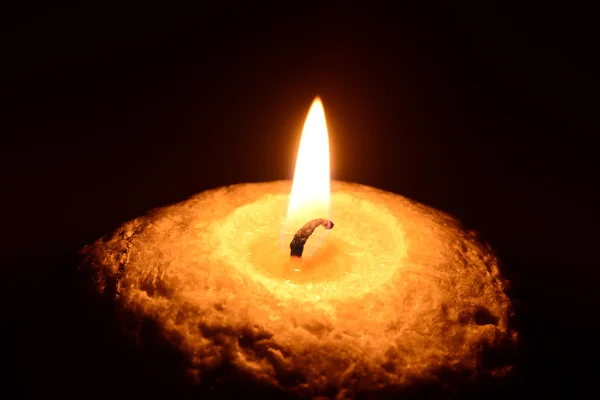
{"points": [[334, 289]]}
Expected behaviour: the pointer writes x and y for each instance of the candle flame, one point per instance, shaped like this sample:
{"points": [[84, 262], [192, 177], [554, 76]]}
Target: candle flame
{"points": [[311, 187], [310, 196]]}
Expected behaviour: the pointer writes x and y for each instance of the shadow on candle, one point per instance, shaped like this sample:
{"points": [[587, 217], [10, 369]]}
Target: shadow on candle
{"points": [[127, 354]]}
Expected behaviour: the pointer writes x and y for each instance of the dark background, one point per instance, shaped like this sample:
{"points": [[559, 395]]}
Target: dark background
{"points": [[485, 112]]}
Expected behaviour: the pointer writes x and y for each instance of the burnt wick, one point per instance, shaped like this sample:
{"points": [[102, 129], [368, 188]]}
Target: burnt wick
{"points": [[300, 238]]}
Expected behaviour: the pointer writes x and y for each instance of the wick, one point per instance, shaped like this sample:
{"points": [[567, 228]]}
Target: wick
{"points": [[300, 238]]}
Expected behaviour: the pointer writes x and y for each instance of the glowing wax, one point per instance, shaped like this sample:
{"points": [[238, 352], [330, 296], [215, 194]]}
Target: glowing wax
{"points": [[396, 293]]}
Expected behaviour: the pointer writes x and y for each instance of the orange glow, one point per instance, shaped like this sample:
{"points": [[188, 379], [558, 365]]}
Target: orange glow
{"points": [[310, 195]]}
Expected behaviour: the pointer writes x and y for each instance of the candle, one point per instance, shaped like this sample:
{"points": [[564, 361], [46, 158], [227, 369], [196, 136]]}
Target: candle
{"points": [[393, 294]]}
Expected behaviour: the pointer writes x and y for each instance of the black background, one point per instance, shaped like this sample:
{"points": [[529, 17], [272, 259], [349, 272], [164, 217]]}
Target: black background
{"points": [[483, 111]]}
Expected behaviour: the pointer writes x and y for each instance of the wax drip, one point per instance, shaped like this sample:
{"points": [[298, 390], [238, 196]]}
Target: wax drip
{"points": [[300, 238]]}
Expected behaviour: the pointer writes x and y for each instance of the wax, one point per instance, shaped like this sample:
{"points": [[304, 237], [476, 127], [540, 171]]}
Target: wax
{"points": [[395, 294]]}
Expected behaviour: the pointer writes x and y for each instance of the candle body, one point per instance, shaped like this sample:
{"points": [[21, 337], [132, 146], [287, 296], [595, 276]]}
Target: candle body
{"points": [[395, 294]]}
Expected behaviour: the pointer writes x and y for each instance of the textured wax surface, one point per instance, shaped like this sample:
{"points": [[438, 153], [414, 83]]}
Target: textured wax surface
{"points": [[397, 293]]}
